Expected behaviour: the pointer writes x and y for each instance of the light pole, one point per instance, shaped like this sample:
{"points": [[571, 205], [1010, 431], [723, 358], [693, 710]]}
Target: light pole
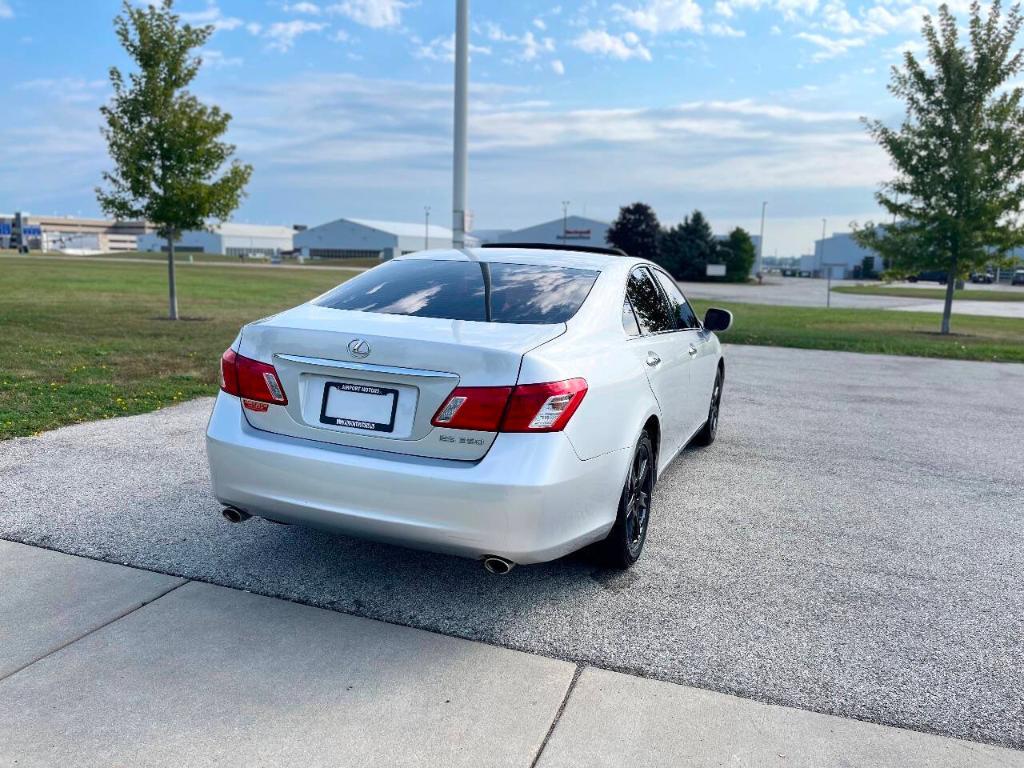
{"points": [[565, 221], [461, 159], [426, 227], [760, 243]]}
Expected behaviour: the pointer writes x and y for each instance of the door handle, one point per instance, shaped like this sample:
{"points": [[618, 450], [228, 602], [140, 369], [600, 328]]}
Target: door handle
{"points": [[693, 351], [653, 360]]}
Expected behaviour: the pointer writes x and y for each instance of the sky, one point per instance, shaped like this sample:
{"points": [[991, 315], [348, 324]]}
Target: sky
{"points": [[345, 108]]}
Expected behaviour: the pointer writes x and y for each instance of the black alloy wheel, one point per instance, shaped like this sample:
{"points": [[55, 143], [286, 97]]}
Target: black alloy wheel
{"points": [[626, 540], [709, 431]]}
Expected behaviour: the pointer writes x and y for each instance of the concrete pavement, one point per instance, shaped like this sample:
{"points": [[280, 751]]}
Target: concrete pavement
{"points": [[200, 675]]}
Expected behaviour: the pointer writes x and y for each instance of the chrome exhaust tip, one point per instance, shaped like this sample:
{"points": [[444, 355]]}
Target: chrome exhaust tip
{"points": [[235, 515], [499, 566]]}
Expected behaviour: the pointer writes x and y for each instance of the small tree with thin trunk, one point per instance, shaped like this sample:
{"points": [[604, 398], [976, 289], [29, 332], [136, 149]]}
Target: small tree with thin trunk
{"points": [[959, 153], [168, 157]]}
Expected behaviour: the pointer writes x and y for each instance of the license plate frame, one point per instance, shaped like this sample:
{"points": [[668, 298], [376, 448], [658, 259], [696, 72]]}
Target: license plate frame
{"points": [[360, 424]]}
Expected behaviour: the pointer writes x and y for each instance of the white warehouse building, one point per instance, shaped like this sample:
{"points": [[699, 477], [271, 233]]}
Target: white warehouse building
{"points": [[228, 239], [840, 254], [369, 239], [574, 230]]}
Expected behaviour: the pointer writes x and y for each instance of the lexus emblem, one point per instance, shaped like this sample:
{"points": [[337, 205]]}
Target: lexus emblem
{"points": [[358, 348]]}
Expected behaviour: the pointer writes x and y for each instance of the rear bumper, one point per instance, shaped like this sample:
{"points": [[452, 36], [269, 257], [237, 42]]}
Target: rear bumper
{"points": [[530, 499]]}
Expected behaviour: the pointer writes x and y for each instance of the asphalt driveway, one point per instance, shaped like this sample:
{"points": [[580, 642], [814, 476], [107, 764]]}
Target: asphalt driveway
{"points": [[810, 292], [853, 544]]}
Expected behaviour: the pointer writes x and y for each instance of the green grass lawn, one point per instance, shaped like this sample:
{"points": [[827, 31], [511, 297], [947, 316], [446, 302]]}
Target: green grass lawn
{"points": [[204, 258], [87, 340], [1012, 294], [996, 339]]}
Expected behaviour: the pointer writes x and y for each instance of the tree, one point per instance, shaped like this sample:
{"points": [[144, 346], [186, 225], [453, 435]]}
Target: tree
{"points": [[686, 249], [740, 254], [959, 153], [165, 144], [636, 231]]}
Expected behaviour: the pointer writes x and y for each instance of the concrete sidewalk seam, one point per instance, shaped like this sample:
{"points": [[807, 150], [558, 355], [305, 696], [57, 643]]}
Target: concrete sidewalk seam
{"points": [[71, 642], [558, 715]]}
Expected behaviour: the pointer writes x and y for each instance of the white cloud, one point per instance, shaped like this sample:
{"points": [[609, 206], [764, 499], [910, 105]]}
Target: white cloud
{"points": [[254, 27], [5, 11], [792, 9], [328, 141], [443, 49], [724, 30], [212, 15], [600, 43], [724, 9], [539, 24], [532, 47], [311, 9], [283, 34], [558, 67], [372, 13], [657, 16], [831, 47], [215, 59]]}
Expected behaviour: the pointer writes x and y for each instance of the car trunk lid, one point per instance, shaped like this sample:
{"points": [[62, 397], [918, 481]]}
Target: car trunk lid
{"points": [[375, 381]]}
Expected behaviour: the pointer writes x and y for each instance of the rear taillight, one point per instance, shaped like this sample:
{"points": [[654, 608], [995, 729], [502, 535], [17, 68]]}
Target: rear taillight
{"points": [[543, 407], [479, 408], [525, 408], [251, 380]]}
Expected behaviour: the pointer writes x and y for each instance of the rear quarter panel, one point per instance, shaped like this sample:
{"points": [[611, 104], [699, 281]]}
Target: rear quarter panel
{"points": [[619, 399]]}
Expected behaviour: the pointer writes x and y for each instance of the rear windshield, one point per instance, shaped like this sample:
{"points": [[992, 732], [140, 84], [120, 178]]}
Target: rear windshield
{"points": [[466, 290]]}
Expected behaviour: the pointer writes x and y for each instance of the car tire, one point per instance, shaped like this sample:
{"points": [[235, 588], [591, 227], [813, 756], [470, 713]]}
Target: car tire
{"points": [[709, 431], [625, 541]]}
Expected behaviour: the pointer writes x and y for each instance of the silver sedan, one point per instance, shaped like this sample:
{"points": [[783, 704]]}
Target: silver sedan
{"points": [[507, 404]]}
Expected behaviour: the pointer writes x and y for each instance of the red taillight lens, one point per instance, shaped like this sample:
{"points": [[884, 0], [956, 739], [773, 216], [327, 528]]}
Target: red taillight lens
{"points": [[543, 407], [525, 408], [479, 408], [250, 379]]}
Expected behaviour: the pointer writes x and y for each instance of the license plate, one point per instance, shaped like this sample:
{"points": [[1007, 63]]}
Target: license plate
{"points": [[359, 406]]}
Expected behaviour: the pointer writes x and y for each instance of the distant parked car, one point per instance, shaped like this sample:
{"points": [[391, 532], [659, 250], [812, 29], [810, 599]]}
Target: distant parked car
{"points": [[933, 276], [984, 278], [1018, 277]]}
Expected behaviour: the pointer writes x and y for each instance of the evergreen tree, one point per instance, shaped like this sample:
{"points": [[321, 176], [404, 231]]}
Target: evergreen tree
{"points": [[636, 231]]}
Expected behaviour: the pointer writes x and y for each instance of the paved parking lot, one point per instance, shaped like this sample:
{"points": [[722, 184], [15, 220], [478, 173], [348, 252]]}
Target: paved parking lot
{"points": [[811, 292], [853, 544]]}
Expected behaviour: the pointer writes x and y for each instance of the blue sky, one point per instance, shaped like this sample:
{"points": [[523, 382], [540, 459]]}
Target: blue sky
{"points": [[344, 107]]}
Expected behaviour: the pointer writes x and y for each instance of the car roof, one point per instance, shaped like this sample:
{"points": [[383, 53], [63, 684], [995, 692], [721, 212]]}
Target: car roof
{"points": [[552, 258]]}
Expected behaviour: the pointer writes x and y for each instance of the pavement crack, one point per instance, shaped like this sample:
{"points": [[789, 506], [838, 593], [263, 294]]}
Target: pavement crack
{"points": [[558, 714], [120, 616]]}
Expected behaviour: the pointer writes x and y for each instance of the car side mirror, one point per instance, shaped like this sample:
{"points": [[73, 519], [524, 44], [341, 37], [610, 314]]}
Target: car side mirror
{"points": [[718, 320]]}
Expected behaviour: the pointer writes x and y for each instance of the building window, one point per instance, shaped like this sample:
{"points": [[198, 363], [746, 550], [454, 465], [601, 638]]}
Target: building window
{"points": [[268, 252], [338, 253]]}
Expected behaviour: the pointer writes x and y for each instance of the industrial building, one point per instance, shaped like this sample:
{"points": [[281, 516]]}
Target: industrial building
{"points": [[228, 239], [369, 239], [841, 254], [66, 233], [571, 230]]}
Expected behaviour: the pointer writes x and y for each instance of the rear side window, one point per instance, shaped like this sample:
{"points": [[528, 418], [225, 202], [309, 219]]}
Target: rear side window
{"points": [[490, 292], [681, 310], [648, 303], [629, 323]]}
